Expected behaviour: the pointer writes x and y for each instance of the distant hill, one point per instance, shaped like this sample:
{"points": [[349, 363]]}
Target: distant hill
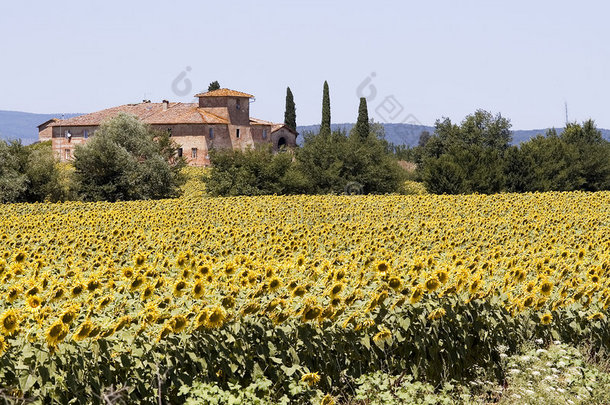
{"points": [[408, 134], [24, 126], [21, 125]]}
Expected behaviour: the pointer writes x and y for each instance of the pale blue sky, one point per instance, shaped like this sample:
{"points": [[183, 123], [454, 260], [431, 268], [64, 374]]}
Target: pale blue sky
{"points": [[436, 58]]}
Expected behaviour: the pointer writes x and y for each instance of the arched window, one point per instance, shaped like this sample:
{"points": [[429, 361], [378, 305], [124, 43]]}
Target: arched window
{"points": [[281, 142]]}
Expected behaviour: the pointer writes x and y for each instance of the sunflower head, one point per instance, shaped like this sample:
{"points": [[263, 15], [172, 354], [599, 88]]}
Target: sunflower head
{"points": [[311, 379], [56, 333], [382, 266], [336, 290], [382, 335], [34, 301], [83, 331], [139, 260], [9, 322], [274, 283], [546, 287], [178, 323], [216, 317], [395, 283], [179, 288], [432, 284], [416, 295], [546, 318], [198, 289], [437, 314]]}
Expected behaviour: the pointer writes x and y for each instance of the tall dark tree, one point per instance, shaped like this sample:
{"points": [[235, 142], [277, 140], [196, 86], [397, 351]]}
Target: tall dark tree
{"points": [[325, 127], [362, 128], [290, 115], [214, 86]]}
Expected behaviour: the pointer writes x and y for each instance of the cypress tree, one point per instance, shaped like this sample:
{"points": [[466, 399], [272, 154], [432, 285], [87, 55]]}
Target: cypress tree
{"points": [[214, 86], [290, 115], [325, 127], [362, 129]]}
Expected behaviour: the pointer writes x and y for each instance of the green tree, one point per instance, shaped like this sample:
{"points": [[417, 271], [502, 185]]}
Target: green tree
{"points": [[593, 154], [362, 128], [330, 162], [325, 126], [125, 161], [214, 86], [43, 174], [551, 163], [476, 146], [290, 114], [29, 173], [13, 180], [252, 172], [578, 159]]}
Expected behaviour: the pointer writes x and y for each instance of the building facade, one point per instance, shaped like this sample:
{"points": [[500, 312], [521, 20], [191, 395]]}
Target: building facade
{"points": [[221, 119]]}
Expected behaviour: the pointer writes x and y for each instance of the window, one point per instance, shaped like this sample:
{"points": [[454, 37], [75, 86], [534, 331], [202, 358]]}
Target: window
{"points": [[194, 153], [68, 135], [264, 134], [237, 104], [211, 133], [67, 154], [85, 134], [169, 132], [237, 133], [179, 152]]}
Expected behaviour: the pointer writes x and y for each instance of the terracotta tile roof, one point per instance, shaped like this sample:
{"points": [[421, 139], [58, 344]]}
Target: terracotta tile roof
{"points": [[274, 126], [277, 127], [46, 123], [224, 93], [150, 113], [258, 121]]}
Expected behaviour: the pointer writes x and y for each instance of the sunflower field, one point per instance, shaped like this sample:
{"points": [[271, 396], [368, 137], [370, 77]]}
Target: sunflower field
{"points": [[139, 299]]}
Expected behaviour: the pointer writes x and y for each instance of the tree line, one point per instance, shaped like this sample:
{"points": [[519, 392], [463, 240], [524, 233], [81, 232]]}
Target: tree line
{"points": [[328, 161], [127, 160], [477, 156]]}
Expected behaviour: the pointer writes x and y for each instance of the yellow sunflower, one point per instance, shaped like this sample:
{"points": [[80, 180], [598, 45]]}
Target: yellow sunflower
{"points": [[546, 318], [56, 333], [216, 317], [83, 331], [311, 379], [9, 322]]}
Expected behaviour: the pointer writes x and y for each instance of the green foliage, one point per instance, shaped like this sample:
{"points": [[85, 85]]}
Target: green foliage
{"points": [[214, 86], [29, 173], [468, 157], [126, 160], [362, 129], [255, 357], [261, 391], [253, 172], [13, 181], [379, 388], [331, 161], [557, 374], [475, 156], [579, 159], [290, 114], [325, 126]]}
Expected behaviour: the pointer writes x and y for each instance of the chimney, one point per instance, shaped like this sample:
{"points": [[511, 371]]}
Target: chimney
{"points": [[165, 105]]}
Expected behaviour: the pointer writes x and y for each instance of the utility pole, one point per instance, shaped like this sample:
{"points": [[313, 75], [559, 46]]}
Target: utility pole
{"points": [[567, 121]]}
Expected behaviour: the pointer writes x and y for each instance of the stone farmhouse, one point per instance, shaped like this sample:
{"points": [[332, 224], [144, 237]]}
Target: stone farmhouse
{"points": [[221, 119]]}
